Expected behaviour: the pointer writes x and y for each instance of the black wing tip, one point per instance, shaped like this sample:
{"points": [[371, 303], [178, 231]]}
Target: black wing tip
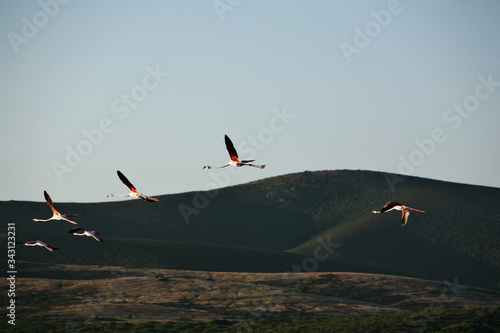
{"points": [[121, 176], [75, 229], [230, 147]]}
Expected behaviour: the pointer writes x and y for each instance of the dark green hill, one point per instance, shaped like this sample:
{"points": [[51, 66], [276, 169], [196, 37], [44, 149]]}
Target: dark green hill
{"points": [[459, 236], [143, 253]]}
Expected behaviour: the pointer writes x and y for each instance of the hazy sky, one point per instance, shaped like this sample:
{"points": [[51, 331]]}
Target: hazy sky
{"points": [[151, 87]]}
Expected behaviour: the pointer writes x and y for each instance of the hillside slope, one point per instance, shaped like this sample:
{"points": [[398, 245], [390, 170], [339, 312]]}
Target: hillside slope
{"points": [[57, 298], [146, 253], [459, 236]]}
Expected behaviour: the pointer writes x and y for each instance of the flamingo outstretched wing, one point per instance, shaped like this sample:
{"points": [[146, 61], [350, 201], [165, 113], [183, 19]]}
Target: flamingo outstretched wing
{"points": [[404, 217], [50, 203], [75, 230], [230, 148], [389, 205], [47, 246], [126, 181], [71, 215]]}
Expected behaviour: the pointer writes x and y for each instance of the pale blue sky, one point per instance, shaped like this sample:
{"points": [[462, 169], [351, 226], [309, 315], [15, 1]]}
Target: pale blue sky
{"points": [[229, 67]]}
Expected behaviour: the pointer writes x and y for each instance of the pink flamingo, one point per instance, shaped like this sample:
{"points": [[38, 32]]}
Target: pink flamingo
{"points": [[133, 192], [56, 215], [79, 231], [397, 206], [39, 243], [234, 161]]}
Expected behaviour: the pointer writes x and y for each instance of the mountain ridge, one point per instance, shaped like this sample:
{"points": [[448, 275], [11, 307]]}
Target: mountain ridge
{"points": [[291, 212]]}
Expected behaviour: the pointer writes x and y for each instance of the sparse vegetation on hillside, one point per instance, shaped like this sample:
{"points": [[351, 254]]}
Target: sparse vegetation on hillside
{"points": [[451, 320], [459, 236]]}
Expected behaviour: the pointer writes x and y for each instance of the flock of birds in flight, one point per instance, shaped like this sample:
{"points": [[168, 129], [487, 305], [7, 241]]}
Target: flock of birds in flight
{"points": [[234, 161]]}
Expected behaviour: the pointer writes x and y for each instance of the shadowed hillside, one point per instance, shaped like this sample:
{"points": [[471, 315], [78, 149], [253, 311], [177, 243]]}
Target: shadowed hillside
{"points": [[458, 237], [144, 253]]}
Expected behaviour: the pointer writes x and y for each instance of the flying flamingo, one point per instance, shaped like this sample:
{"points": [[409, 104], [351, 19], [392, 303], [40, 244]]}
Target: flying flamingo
{"points": [[76, 231], [235, 161], [39, 243], [134, 193], [56, 215], [397, 206]]}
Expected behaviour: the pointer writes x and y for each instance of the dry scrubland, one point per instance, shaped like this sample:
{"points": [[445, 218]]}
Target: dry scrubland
{"points": [[135, 295]]}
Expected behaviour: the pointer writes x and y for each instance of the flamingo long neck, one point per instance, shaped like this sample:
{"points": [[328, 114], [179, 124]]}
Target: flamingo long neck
{"points": [[119, 195], [218, 167], [40, 220]]}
